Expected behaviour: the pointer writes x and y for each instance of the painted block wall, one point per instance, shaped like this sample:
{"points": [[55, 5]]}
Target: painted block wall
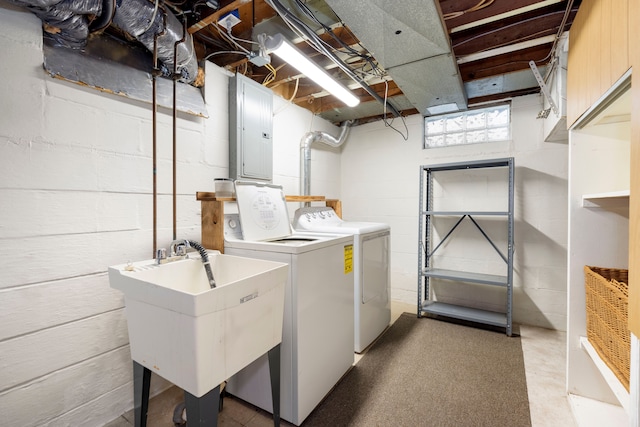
{"points": [[380, 182], [75, 186]]}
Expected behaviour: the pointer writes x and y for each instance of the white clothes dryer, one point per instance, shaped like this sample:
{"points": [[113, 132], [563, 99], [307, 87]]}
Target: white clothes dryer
{"points": [[317, 334], [371, 257]]}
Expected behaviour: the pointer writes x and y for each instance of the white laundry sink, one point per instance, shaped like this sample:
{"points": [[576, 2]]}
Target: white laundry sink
{"points": [[192, 335]]}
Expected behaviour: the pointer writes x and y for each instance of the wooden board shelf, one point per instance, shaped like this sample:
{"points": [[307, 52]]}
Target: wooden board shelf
{"points": [[212, 215], [211, 196]]}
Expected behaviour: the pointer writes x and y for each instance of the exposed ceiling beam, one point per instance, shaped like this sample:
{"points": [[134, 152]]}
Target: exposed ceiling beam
{"points": [[215, 15], [511, 30], [494, 12], [507, 63], [506, 49]]}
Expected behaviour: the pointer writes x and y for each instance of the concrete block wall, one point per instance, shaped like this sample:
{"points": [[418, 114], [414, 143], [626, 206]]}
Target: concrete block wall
{"points": [[75, 185], [380, 178]]}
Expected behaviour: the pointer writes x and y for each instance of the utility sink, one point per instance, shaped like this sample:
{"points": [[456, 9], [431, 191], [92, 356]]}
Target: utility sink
{"points": [[193, 335]]}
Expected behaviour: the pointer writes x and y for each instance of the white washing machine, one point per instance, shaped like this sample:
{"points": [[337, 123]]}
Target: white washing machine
{"points": [[372, 288], [317, 341]]}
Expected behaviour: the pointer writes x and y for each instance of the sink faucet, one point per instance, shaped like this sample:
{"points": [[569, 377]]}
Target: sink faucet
{"points": [[179, 248]]}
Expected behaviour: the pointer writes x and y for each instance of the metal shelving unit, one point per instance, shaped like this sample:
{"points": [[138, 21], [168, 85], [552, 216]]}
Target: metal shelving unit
{"points": [[426, 271]]}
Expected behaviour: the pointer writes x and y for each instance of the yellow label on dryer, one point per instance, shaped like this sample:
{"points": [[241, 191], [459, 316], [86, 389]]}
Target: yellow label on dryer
{"points": [[348, 259]]}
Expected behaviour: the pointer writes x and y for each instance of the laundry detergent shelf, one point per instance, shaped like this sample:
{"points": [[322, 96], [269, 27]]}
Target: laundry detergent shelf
{"points": [[192, 335]]}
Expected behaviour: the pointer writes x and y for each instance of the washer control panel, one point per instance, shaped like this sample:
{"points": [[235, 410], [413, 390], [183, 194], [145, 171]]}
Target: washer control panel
{"points": [[312, 217]]}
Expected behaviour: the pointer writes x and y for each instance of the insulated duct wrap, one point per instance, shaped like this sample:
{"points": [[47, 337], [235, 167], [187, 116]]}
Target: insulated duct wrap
{"points": [[135, 17], [67, 23]]}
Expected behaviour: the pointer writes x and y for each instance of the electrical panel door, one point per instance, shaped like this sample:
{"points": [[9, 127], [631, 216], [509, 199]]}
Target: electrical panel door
{"points": [[250, 130]]}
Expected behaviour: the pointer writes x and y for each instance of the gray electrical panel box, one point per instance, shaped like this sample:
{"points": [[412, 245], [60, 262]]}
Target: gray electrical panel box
{"points": [[250, 130]]}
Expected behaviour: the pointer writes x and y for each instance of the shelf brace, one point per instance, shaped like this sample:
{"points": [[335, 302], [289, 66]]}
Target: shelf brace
{"points": [[445, 237], [543, 86], [488, 239]]}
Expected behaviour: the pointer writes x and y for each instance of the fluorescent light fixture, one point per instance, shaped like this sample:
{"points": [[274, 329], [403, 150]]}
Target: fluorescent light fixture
{"points": [[285, 50]]}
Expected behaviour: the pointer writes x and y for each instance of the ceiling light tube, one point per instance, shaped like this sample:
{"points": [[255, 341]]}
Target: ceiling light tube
{"points": [[285, 50]]}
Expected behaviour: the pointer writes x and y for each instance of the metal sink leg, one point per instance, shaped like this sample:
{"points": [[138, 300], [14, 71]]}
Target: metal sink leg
{"points": [[203, 411], [141, 383], [274, 374]]}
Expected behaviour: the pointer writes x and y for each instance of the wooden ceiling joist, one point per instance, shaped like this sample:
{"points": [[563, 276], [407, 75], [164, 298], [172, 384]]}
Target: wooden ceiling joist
{"points": [[216, 15], [487, 41], [496, 11]]}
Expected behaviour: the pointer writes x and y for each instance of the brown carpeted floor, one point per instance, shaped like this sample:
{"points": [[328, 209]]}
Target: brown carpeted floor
{"points": [[426, 372]]}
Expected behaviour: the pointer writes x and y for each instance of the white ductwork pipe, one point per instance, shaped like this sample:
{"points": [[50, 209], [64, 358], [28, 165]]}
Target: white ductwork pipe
{"points": [[305, 152]]}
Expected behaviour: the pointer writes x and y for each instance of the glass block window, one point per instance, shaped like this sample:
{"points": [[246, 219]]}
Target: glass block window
{"points": [[468, 127]]}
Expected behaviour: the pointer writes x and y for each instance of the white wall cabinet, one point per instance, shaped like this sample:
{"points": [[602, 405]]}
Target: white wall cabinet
{"points": [[598, 230]]}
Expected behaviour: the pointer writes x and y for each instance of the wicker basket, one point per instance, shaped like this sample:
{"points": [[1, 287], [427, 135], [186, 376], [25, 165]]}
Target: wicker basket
{"points": [[607, 330]]}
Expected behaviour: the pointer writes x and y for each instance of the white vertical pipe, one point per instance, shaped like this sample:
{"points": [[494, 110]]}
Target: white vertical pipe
{"points": [[305, 152]]}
